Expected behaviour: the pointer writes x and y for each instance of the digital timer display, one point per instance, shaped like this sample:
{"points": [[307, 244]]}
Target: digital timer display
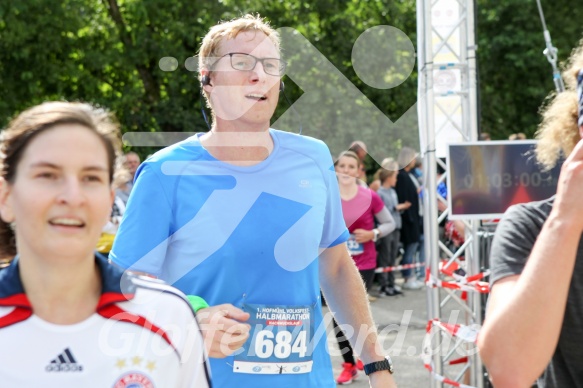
{"points": [[485, 178], [507, 180]]}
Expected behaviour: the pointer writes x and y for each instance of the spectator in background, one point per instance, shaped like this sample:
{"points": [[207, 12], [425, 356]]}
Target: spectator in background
{"points": [[441, 193], [485, 136], [388, 246], [376, 183], [418, 169], [407, 189], [417, 173], [131, 163], [359, 148], [109, 231], [517, 136]]}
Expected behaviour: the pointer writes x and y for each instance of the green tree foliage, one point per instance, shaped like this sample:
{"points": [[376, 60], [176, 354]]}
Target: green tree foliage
{"points": [[106, 52], [515, 77], [109, 51]]}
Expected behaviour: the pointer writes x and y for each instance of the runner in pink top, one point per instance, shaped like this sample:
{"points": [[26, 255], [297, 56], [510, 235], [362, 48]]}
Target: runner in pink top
{"points": [[360, 207], [359, 213]]}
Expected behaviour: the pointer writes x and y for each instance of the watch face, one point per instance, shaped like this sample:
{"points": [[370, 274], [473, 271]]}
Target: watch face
{"points": [[391, 370], [386, 364]]}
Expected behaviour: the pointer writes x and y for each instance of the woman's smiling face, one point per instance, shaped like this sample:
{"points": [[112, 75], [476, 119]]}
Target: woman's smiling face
{"points": [[347, 169], [61, 196]]}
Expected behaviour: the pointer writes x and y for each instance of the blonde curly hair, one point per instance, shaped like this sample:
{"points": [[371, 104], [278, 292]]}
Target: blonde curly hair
{"points": [[558, 133]]}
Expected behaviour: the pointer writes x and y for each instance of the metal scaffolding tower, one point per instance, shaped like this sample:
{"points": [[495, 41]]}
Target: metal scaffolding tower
{"points": [[448, 112]]}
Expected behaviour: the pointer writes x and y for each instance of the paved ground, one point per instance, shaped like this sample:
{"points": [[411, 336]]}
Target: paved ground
{"points": [[402, 321]]}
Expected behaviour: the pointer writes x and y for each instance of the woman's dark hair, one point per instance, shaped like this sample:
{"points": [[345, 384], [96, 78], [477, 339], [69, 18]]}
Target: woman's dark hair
{"points": [[33, 121]]}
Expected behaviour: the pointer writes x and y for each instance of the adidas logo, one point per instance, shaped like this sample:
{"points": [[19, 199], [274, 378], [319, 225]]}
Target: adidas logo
{"points": [[64, 362]]}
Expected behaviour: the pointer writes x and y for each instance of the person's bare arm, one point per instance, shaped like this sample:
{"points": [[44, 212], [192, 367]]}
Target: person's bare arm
{"points": [[386, 224], [403, 206], [525, 312], [346, 296]]}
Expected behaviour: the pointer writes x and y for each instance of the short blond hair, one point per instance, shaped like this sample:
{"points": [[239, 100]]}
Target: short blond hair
{"points": [[211, 43], [349, 154], [388, 169], [558, 132]]}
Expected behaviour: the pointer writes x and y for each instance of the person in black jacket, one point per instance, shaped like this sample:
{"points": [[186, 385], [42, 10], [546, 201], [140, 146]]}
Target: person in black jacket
{"points": [[408, 189]]}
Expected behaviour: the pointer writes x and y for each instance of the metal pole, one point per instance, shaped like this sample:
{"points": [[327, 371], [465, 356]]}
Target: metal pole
{"points": [[441, 41], [551, 52], [427, 136], [477, 378]]}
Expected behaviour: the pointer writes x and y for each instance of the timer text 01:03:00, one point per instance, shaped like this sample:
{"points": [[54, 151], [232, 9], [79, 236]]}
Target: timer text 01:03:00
{"points": [[507, 180]]}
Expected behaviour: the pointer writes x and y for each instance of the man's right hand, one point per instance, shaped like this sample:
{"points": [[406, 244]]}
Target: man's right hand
{"points": [[222, 329]]}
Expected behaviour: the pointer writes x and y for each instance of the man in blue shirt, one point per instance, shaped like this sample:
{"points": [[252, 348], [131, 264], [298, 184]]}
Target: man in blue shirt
{"points": [[249, 218]]}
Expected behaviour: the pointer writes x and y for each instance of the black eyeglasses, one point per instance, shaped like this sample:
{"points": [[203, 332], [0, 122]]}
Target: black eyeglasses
{"points": [[245, 62]]}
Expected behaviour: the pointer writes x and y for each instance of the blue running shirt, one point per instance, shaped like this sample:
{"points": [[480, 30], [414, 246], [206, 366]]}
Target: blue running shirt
{"points": [[249, 236]]}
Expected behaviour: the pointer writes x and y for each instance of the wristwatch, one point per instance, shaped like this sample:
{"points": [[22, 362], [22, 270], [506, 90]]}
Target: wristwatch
{"points": [[376, 235], [378, 366]]}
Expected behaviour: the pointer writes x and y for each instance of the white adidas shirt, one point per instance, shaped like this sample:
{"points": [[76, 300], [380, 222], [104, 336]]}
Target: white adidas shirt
{"points": [[151, 340]]}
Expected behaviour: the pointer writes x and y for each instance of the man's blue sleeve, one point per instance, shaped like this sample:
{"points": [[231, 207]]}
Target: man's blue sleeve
{"points": [[142, 239]]}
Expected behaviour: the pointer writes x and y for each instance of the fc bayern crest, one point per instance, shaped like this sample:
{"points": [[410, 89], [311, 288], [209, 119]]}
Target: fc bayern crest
{"points": [[134, 380]]}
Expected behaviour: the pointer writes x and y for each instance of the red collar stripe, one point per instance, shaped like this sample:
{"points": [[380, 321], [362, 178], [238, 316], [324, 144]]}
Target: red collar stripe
{"points": [[19, 314], [114, 312], [108, 298], [18, 300]]}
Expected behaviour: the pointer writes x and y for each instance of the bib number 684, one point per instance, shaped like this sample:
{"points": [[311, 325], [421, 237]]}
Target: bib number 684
{"points": [[280, 345]]}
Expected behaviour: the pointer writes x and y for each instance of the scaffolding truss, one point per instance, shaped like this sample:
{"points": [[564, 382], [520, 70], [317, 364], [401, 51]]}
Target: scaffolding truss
{"points": [[448, 112]]}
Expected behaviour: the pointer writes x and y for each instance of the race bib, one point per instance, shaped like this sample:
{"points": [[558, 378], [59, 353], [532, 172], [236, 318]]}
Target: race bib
{"points": [[355, 248], [280, 341]]}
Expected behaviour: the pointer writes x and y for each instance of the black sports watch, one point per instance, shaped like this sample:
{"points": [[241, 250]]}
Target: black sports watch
{"points": [[378, 366]]}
